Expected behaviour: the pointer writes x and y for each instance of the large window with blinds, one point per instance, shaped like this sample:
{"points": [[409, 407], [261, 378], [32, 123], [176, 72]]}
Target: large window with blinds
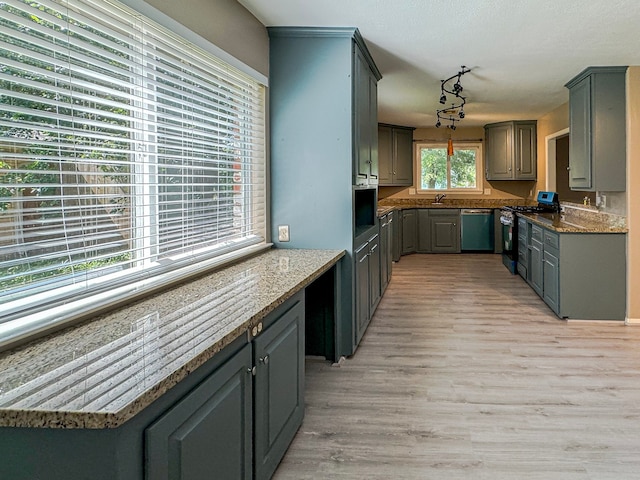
{"points": [[125, 153]]}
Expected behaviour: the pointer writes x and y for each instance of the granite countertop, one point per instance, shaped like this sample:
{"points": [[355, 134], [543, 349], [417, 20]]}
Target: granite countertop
{"points": [[101, 373], [571, 224], [403, 203]]}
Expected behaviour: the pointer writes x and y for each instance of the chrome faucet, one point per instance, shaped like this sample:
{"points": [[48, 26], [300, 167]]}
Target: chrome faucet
{"points": [[439, 197]]}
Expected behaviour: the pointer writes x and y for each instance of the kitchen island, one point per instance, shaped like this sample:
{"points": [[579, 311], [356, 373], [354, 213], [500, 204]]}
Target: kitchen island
{"points": [[83, 402]]}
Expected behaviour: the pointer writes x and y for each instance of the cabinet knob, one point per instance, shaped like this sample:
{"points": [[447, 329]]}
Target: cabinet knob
{"points": [[264, 359], [568, 168], [252, 370]]}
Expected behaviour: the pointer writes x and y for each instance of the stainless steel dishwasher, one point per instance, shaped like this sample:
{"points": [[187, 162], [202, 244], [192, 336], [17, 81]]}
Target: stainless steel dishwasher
{"points": [[477, 229]]}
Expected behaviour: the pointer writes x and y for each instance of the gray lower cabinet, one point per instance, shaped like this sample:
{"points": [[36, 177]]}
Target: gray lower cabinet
{"points": [[409, 231], [362, 291], [239, 422], [386, 250], [578, 275], [551, 278], [278, 356], [534, 273], [431, 230], [444, 230], [523, 248], [424, 231], [368, 291], [185, 443]]}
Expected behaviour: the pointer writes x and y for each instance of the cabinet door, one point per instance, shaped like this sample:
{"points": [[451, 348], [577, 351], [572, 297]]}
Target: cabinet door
{"points": [[372, 120], [279, 389], [403, 157], [374, 274], [499, 155], [397, 235], [385, 155], [526, 152], [424, 229], [362, 291], [365, 121], [385, 225], [409, 231], [535, 271], [580, 135], [551, 279], [445, 234], [208, 433], [390, 240]]}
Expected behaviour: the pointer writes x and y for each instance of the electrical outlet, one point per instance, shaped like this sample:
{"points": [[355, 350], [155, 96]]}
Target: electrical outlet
{"points": [[283, 233]]}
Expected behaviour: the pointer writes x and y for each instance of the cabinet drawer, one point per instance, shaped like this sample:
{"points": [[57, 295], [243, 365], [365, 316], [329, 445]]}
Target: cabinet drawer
{"points": [[536, 233], [444, 211], [551, 239], [522, 224]]}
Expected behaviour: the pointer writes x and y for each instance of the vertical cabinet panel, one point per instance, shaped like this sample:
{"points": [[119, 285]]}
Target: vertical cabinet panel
{"points": [[362, 291], [365, 121], [424, 229], [385, 250], [499, 156], [409, 231], [374, 273], [551, 279], [403, 154], [385, 155], [597, 136], [526, 151], [580, 135], [395, 155], [186, 442], [535, 266], [279, 388]]}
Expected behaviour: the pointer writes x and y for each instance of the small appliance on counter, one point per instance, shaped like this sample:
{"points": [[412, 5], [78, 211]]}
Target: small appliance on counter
{"points": [[547, 203]]}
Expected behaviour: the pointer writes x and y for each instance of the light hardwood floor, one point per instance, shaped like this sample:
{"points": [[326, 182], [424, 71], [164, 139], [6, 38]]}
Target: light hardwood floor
{"points": [[464, 373]]}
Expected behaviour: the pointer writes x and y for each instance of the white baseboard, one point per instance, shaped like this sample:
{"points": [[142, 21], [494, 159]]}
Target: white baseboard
{"points": [[632, 321]]}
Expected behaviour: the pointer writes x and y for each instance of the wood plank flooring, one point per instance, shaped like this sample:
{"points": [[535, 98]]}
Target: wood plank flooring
{"points": [[464, 373]]}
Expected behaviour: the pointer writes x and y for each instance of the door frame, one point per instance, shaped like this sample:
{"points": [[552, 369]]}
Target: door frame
{"points": [[550, 152]]}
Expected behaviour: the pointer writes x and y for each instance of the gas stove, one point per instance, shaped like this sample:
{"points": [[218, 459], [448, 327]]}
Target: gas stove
{"points": [[547, 203]]}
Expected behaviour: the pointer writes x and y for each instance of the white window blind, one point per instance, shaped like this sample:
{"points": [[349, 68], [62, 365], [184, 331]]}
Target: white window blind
{"points": [[125, 152]]}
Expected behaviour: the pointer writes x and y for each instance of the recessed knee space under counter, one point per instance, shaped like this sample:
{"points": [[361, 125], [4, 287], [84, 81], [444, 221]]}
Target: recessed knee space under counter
{"points": [[118, 397]]}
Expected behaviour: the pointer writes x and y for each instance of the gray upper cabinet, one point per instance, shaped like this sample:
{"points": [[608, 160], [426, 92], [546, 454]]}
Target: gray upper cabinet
{"points": [[597, 123], [324, 148], [511, 150], [365, 97], [395, 155]]}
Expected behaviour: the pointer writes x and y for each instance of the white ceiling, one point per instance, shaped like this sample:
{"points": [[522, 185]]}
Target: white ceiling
{"points": [[521, 52]]}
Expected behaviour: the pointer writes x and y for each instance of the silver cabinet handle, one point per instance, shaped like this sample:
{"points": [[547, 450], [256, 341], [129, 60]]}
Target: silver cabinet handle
{"points": [[252, 370], [264, 359]]}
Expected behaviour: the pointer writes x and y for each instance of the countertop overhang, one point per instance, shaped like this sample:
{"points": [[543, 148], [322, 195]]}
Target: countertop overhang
{"points": [[103, 372]]}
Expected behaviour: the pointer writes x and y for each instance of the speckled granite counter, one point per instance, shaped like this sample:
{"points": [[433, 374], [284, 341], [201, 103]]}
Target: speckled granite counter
{"points": [[570, 224], [100, 374], [403, 203]]}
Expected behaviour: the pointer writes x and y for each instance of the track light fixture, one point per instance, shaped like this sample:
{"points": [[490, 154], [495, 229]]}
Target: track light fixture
{"points": [[455, 109]]}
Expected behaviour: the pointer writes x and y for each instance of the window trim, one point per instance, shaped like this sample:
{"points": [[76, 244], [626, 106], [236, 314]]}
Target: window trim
{"points": [[479, 188]]}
